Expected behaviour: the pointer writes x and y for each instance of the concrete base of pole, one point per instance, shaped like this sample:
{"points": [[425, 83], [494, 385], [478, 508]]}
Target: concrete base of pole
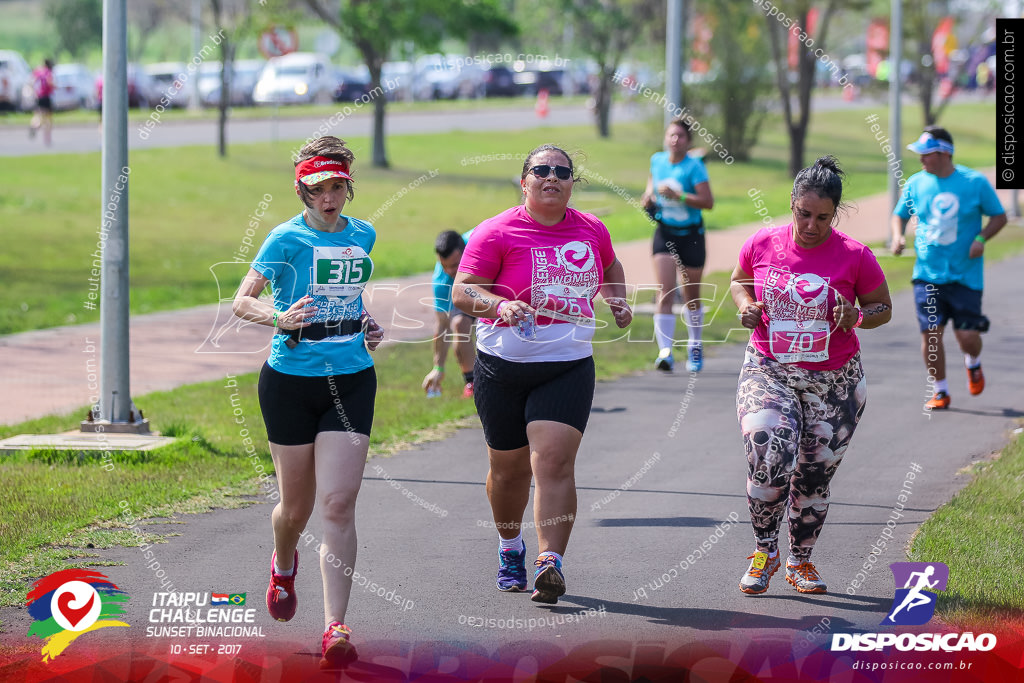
{"points": [[106, 426]]}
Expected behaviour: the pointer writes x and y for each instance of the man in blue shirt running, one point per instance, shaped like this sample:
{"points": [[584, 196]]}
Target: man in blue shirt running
{"points": [[949, 201]]}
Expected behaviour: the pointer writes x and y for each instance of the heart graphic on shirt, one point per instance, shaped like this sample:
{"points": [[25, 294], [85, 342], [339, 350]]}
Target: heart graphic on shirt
{"points": [[577, 257], [807, 289]]}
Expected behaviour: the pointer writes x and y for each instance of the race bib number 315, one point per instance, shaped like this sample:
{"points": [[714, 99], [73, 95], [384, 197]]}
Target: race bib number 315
{"points": [[340, 271]]}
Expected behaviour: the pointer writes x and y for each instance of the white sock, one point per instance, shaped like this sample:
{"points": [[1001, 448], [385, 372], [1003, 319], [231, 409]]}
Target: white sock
{"points": [[694, 324], [282, 572], [941, 385], [664, 329], [549, 552], [972, 361], [512, 543]]}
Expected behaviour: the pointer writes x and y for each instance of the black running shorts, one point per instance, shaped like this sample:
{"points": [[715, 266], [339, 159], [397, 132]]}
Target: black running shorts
{"points": [[297, 408], [511, 395]]}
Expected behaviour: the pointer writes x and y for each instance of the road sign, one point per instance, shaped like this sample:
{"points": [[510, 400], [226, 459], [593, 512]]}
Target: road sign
{"points": [[277, 41]]}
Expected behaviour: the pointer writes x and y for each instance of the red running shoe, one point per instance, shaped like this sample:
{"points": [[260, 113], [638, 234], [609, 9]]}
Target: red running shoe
{"points": [[337, 651], [281, 600], [975, 380], [467, 391]]}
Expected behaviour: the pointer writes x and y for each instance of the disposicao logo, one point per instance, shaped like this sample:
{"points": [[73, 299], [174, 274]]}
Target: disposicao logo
{"points": [[70, 603], [912, 604]]}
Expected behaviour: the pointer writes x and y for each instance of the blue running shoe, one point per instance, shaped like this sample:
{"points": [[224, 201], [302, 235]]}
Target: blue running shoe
{"points": [[512, 570], [664, 361], [696, 358], [548, 582]]}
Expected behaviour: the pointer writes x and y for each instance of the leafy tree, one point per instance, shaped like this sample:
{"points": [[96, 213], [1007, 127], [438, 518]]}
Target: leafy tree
{"points": [[77, 23], [793, 17], [375, 27], [605, 30], [920, 19], [740, 80]]}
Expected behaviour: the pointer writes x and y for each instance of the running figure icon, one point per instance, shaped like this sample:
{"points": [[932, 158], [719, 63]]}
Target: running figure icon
{"points": [[915, 598]]}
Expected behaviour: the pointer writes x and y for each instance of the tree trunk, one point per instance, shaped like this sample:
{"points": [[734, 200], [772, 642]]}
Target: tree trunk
{"points": [[227, 54], [603, 103], [380, 99]]}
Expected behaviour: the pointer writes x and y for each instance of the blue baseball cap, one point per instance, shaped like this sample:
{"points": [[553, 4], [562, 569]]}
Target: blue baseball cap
{"points": [[928, 143]]}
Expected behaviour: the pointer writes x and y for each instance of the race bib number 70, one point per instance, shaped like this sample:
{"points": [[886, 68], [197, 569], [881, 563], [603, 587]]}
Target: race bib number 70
{"points": [[795, 341]]}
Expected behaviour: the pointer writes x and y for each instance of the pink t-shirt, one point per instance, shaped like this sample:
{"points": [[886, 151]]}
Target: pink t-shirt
{"points": [[798, 287], [556, 269]]}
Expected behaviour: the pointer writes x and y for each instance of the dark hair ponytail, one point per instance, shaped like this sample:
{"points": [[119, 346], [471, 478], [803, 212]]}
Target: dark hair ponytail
{"points": [[824, 179]]}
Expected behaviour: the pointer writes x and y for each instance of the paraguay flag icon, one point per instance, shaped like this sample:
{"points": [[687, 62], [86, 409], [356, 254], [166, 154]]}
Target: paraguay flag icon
{"points": [[70, 603], [913, 603]]}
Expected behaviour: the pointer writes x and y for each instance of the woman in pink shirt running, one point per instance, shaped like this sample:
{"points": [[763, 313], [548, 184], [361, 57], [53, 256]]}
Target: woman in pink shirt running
{"points": [[529, 275], [801, 388]]}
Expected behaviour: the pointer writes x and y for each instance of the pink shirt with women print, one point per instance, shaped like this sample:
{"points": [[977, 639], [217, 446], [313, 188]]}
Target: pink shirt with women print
{"points": [[557, 270], [798, 287]]}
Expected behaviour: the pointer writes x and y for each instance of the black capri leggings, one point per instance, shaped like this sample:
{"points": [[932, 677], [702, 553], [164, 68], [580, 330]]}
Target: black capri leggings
{"points": [[296, 408], [510, 395]]}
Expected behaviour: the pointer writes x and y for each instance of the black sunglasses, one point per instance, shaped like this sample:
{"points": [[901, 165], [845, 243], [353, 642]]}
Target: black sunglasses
{"points": [[561, 172]]}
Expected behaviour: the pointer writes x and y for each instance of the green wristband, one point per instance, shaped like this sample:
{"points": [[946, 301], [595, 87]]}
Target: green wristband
{"points": [[439, 368], [275, 318], [980, 238]]}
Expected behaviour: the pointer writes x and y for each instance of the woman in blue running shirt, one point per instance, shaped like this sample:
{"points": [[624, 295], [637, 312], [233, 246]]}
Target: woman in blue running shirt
{"points": [[677, 190], [318, 387]]}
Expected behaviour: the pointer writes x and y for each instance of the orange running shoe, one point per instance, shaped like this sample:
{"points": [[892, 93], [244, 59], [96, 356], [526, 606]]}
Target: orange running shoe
{"points": [[940, 401], [975, 380], [805, 578], [762, 568]]}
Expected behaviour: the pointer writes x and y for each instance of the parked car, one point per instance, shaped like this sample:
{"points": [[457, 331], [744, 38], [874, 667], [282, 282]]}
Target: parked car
{"points": [[74, 87], [142, 90], [399, 76], [499, 81], [15, 82], [171, 82], [446, 77], [353, 84], [300, 77], [244, 76]]}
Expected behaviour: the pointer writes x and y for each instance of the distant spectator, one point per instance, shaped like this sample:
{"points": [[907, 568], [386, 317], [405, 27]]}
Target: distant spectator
{"points": [[42, 82]]}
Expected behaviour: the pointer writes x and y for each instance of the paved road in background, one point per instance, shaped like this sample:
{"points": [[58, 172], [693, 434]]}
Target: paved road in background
{"points": [[518, 115]]}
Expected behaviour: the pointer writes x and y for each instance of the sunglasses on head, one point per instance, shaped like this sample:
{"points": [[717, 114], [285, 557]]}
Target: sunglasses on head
{"points": [[561, 172]]}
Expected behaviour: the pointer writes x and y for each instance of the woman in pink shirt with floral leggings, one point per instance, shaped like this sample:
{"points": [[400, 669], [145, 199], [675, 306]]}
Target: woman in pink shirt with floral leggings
{"points": [[801, 388]]}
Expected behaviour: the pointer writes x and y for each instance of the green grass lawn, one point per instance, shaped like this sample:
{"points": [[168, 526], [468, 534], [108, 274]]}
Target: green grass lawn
{"points": [[978, 535], [189, 209]]}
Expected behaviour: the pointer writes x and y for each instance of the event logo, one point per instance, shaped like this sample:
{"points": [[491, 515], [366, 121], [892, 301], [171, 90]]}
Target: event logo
{"points": [[912, 604], [70, 603], [576, 257], [807, 289]]}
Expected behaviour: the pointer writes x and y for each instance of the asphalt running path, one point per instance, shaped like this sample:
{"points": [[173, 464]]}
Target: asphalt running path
{"points": [[660, 475]]}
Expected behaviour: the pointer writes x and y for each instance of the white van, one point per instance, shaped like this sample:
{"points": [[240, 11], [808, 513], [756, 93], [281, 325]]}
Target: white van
{"points": [[301, 77]]}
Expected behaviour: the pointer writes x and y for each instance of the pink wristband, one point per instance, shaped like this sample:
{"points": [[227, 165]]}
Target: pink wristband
{"points": [[500, 305]]}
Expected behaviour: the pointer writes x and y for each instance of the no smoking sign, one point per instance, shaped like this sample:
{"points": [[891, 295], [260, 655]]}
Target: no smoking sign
{"points": [[277, 41]]}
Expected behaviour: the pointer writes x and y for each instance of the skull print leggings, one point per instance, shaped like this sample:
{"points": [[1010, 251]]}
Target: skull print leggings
{"points": [[796, 426]]}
